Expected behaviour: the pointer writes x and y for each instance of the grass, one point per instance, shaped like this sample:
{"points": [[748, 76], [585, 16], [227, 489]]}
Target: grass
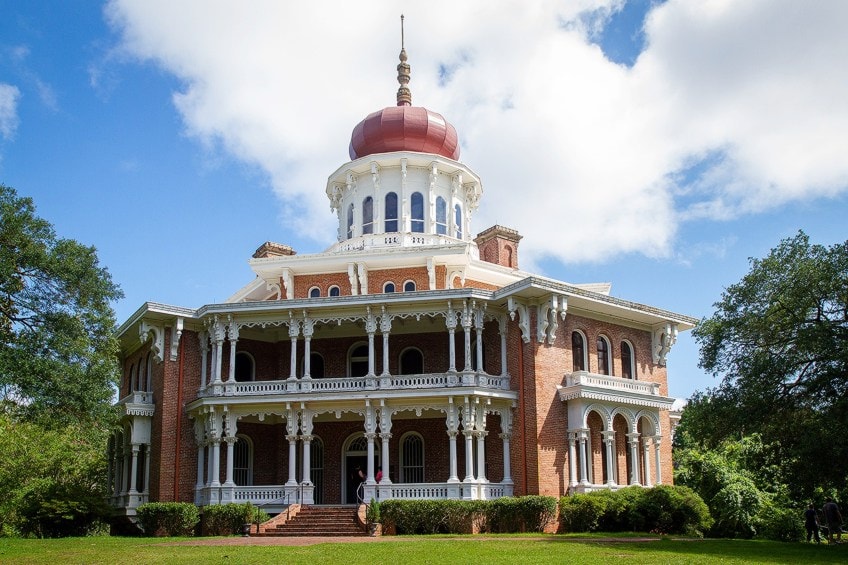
{"points": [[418, 549]]}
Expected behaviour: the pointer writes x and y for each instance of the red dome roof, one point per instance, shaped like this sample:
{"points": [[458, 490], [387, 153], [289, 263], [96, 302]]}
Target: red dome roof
{"points": [[404, 128]]}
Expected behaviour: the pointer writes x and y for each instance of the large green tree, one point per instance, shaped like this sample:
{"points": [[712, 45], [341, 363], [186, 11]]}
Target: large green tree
{"points": [[57, 344], [779, 341]]}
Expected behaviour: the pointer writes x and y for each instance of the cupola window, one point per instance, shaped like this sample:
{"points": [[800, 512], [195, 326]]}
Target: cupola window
{"points": [[368, 215], [441, 216], [391, 212], [417, 212]]}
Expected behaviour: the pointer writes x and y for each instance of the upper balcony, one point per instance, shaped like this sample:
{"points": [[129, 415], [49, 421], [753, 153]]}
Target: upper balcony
{"points": [[592, 386], [137, 403], [287, 387]]}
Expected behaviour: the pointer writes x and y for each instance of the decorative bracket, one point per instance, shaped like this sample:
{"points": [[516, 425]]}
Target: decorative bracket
{"points": [[513, 305], [158, 345], [176, 334], [663, 338], [288, 282]]}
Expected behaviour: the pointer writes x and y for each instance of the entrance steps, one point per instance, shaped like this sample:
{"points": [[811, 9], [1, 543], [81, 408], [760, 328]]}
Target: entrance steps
{"points": [[319, 521]]}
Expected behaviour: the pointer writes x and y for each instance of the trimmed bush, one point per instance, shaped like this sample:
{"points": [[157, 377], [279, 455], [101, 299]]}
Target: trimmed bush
{"points": [[227, 519], [581, 512], [670, 510], [779, 523], [520, 514], [172, 518]]}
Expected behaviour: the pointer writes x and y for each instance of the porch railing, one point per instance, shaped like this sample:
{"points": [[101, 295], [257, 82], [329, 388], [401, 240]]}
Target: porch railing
{"points": [[355, 384]]}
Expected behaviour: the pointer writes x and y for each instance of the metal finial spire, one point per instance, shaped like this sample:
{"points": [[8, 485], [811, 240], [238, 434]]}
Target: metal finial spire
{"points": [[404, 95]]}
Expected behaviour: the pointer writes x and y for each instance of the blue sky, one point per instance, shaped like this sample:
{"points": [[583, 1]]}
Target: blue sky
{"points": [[654, 145]]}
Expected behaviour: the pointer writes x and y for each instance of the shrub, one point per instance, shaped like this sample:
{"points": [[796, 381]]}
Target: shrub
{"points": [[670, 510], [173, 518], [227, 519], [735, 507], [519, 514], [779, 523], [581, 512]]}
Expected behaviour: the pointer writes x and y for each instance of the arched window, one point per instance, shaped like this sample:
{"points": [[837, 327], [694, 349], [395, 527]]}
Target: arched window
{"points": [[412, 458], [628, 367], [334, 291], [603, 356], [245, 367], [389, 287], [578, 352], [350, 221], [458, 218], [149, 385], [411, 361], [474, 356], [391, 212], [316, 365], [357, 363], [417, 212], [133, 377], [368, 215], [509, 255], [243, 461], [142, 366], [316, 471], [314, 292], [409, 286], [441, 216]]}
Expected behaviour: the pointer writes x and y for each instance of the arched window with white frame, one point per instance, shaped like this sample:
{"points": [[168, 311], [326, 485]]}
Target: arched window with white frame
{"points": [[149, 363], [316, 471], [628, 360], [350, 221], [604, 364], [368, 215], [334, 291], [578, 351], [391, 223], [441, 216], [458, 219], [411, 458], [409, 286], [389, 287], [417, 212], [314, 292]]}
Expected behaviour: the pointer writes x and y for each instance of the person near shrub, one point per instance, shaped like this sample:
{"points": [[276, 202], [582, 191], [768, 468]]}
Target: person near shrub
{"points": [[834, 521], [811, 522]]}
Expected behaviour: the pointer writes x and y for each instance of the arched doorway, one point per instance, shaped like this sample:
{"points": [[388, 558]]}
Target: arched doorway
{"points": [[356, 460]]}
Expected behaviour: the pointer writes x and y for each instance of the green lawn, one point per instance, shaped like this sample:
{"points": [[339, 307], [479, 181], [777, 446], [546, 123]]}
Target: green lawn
{"points": [[423, 549]]}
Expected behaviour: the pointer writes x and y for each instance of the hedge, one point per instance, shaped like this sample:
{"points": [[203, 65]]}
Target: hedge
{"points": [[228, 519], [172, 518], [508, 514]]}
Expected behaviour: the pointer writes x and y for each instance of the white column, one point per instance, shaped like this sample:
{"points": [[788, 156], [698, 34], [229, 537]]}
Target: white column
{"points": [[469, 455], [572, 459], [646, 456], [294, 331], [481, 455], [292, 439], [201, 463], [478, 327], [385, 436], [369, 476], [466, 329], [450, 322], [307, 459], [232, 330], [308, 330], [203, 339], [216, 461], [507, 470], [657, 443], [609, 444], [134, 469], [370, 329], [385, 328], [146, 469], [230, 448], [453, 478], [584, 457], [218, 344], [633, 440], [210, 466]]}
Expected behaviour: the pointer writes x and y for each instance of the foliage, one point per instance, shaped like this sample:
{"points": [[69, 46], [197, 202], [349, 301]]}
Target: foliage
{"points": [[228, 519], [520, 514], [51, 480], [661, 509], [776, 521], [508, 514], [372, 512], [57, 348], [779, 340], [172, 518]]}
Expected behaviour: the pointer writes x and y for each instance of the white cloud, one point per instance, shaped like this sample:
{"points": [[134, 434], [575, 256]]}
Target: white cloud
{"points": [[585, 157], [9, 96]]}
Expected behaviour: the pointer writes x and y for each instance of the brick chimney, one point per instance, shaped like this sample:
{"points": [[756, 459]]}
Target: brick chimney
{"points": [[499, 245]]}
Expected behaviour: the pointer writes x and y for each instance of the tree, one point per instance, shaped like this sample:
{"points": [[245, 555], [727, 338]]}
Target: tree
{"points": [[779, 340], [57, 344]]}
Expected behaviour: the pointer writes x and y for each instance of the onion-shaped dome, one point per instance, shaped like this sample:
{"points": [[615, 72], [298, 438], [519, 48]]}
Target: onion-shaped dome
{"points": [[404, 127]]}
